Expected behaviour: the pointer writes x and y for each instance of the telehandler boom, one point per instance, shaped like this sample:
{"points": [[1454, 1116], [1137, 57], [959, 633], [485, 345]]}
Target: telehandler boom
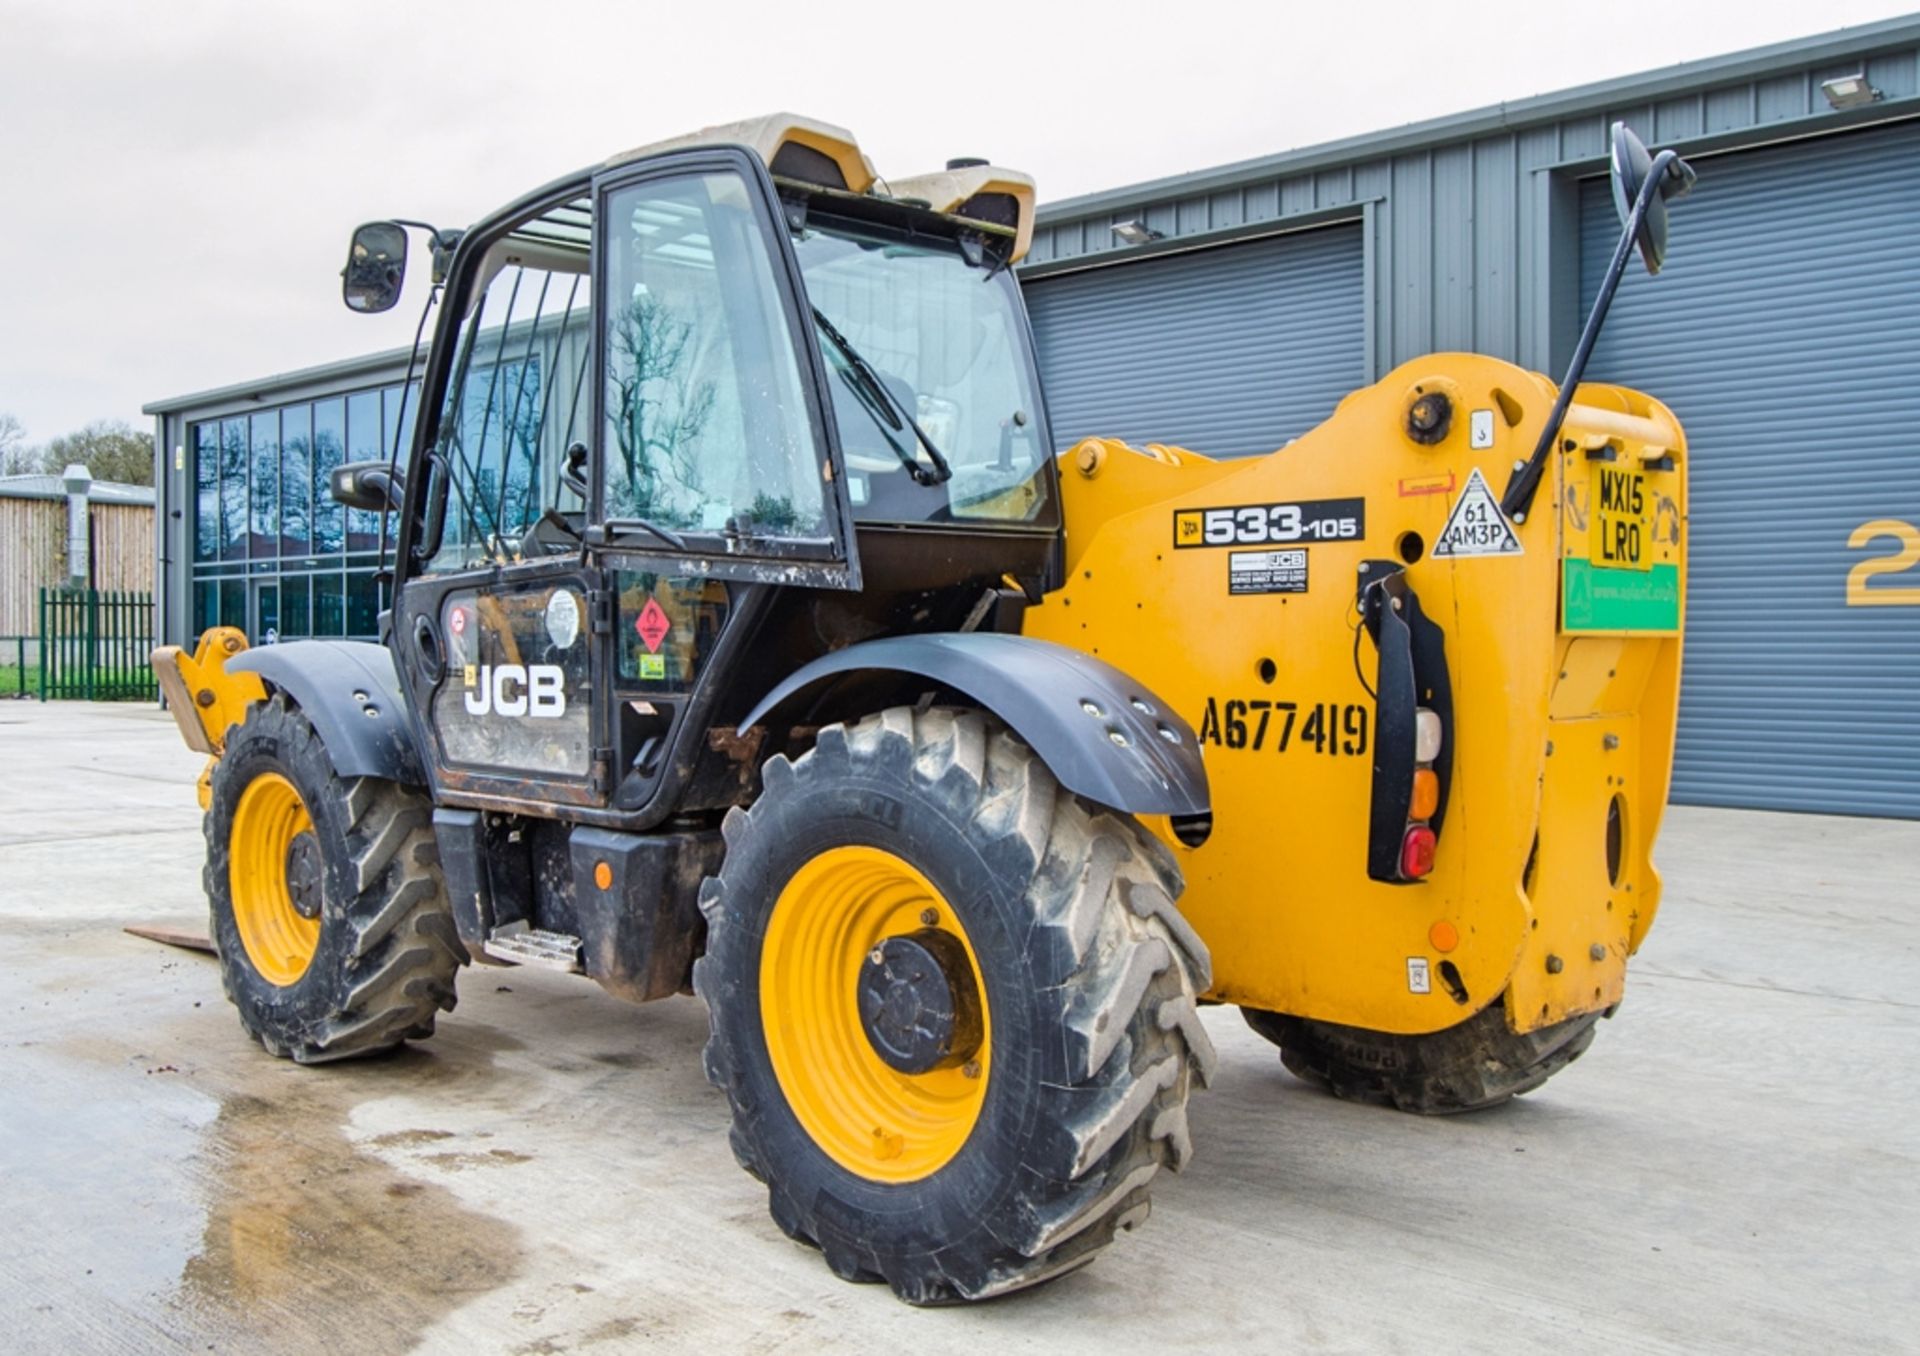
{"points": [[745, 637]]}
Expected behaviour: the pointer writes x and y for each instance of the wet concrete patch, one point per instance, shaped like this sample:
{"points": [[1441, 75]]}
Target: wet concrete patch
{"points": [[241, 1215], [306, 1235]]}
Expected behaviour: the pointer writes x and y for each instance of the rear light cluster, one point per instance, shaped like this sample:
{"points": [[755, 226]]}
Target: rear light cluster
{"points": [[1418, 844]]}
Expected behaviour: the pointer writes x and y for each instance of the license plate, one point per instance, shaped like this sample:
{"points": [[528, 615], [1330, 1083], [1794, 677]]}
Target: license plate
{"points": [[1622, 520]]}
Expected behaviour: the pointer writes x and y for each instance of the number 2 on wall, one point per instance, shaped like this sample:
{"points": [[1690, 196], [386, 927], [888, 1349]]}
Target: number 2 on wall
{"points": [[1908, 556]]}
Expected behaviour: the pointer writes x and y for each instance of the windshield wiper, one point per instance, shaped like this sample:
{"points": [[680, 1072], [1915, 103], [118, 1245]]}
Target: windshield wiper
{"points": [[876, 398]]}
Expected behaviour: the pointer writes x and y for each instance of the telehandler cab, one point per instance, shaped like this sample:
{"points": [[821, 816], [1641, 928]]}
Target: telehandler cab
{"points": [[746, 638]]}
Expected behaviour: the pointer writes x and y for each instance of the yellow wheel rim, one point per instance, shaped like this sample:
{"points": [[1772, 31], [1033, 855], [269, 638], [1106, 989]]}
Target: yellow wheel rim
{"points": [[869, 1117], [269, 817]]}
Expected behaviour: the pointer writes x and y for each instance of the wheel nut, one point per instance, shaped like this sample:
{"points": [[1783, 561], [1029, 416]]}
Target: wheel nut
{"points": [[886, 1144], [929, 916], [1555, 965], [878, 957], [1597, 951], [971, 1068]]}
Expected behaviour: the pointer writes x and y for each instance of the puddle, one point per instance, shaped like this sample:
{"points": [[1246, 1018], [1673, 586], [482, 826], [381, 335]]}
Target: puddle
{"points": [[309, 1241], [196, 1192]]}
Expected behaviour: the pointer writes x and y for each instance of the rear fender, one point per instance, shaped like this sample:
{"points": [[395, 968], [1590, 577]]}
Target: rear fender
{"points": [[1103, 735]]}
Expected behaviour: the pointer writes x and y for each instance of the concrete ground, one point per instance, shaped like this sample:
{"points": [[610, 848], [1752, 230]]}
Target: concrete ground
{"points": [[1734, 1166]]}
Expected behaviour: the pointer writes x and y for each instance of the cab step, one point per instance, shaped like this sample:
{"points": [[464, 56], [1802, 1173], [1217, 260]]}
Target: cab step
{"points": [[521, 945]]}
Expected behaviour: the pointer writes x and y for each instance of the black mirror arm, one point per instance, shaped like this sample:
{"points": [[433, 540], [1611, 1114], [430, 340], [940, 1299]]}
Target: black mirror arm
{"points": [[572, 468], [1518, 498], [442, 242]]}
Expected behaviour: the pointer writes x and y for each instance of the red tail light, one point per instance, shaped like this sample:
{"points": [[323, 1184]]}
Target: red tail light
{"points": [[1416, 852]]}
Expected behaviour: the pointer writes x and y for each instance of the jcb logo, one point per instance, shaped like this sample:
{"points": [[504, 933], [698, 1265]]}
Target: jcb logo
{"points": [[518, 690]]}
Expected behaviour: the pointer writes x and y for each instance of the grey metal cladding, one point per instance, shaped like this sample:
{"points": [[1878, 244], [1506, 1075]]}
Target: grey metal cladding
{"points": [[1229, 351], [1785, 333]]}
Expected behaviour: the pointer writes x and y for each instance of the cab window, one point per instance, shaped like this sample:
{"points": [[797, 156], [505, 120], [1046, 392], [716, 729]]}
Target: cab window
{"points": [[706, 431]]}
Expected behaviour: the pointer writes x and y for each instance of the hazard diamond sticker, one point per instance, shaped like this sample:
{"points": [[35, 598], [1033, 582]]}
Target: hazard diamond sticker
{"points": [[652, 624], [1477, 527]]}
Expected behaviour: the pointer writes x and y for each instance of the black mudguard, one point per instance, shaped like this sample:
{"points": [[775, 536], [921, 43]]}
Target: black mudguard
{"points": [[351, 693], [1104, 735]]}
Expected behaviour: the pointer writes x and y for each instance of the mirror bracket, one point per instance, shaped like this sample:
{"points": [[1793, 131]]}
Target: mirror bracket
{"points": [[370, 485]]}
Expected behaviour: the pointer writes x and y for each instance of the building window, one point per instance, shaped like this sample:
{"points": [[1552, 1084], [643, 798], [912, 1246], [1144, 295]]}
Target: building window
{"points": [[272, 551]]}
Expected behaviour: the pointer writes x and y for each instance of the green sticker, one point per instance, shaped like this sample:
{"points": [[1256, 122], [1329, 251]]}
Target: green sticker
{"points": [[1598, 599], [653, 666]]}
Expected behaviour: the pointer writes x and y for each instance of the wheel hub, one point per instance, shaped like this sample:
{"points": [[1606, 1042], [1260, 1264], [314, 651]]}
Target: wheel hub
{"points": [[303, 875], [919, 1005]]}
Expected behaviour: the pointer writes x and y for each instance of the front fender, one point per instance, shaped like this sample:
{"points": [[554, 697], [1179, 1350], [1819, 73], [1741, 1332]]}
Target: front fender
{"points": [[1103, 735], [351, 693]]}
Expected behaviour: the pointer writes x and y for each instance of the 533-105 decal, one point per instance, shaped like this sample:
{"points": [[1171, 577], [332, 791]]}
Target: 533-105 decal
{"points": [[1257, 524], [1335, 729]]}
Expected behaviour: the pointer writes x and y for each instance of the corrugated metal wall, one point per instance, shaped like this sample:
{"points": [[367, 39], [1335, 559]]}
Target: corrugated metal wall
{"points": [[1473, 249], [1228, 351], [1785, 333]]}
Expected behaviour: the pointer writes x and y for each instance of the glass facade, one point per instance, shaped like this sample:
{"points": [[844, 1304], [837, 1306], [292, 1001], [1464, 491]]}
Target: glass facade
{"points": [[273, 553]]}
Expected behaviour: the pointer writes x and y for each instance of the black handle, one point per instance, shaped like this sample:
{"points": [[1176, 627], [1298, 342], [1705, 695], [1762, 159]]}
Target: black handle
{"points": [[426, 648]]}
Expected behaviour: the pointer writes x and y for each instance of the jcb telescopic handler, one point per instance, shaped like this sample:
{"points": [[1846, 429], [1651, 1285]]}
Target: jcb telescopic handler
{"points": [[747, 638]]}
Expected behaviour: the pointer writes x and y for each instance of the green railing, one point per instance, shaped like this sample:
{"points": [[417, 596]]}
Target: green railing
{"points": [[19, 666], [94, 646]]}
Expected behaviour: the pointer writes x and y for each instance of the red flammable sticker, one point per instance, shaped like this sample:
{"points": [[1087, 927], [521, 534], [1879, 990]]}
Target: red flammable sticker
{"points": [[652, 624]]}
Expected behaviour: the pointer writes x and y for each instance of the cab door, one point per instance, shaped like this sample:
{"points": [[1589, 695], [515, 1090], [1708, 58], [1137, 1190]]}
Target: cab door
{"points": [[629, 436]]}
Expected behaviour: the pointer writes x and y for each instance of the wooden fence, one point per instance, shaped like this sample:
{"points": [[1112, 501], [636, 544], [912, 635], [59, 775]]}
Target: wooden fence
{"points": [[33, 554]]}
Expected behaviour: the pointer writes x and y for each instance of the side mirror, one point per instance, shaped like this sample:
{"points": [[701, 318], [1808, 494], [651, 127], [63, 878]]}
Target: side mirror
{"points": [[366, 485], [376, 266], [1628, 168]]}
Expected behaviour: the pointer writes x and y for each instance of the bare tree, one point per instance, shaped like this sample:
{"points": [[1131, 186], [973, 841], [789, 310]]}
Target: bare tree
{"points": [[112, 449], [16, 457], [656, 411]]}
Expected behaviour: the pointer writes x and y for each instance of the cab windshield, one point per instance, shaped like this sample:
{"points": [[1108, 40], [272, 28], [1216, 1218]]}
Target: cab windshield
{"points": [[947, 341]]}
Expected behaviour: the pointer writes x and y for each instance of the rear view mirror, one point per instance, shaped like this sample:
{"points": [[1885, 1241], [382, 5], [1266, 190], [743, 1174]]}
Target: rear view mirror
{"points": [[376, 266], [1628, 168]]}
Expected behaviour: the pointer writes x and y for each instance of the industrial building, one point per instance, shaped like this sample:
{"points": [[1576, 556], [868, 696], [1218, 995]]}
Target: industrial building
{"points": [[1228, 310]]}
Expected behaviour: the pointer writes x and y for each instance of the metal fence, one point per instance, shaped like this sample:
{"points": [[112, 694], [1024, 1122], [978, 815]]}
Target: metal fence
{"points": [[19, 666], [94, 646]]}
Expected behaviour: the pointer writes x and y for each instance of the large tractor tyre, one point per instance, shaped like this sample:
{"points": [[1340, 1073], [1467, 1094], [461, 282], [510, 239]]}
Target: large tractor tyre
{"points": [[329, 913], [953, 1007], [1477, 1064]]}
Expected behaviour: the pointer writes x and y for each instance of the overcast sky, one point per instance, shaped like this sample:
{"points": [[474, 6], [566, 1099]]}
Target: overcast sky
{"points": [[180, 177]]}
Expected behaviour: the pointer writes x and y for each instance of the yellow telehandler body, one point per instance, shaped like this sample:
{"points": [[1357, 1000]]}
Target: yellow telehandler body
{"points": [[1565, 676]]}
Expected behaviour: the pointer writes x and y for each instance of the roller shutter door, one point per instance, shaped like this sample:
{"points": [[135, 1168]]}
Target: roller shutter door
{"points": [[1229, 351], [1785, 333]]}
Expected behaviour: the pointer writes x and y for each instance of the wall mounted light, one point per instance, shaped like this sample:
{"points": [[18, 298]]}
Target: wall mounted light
{"points": [[1849, 91], [1137, 232]]}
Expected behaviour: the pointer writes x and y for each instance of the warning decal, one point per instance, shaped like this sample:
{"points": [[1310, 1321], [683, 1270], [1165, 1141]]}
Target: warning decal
{"points": [[1477, 527], [652, 624]]}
